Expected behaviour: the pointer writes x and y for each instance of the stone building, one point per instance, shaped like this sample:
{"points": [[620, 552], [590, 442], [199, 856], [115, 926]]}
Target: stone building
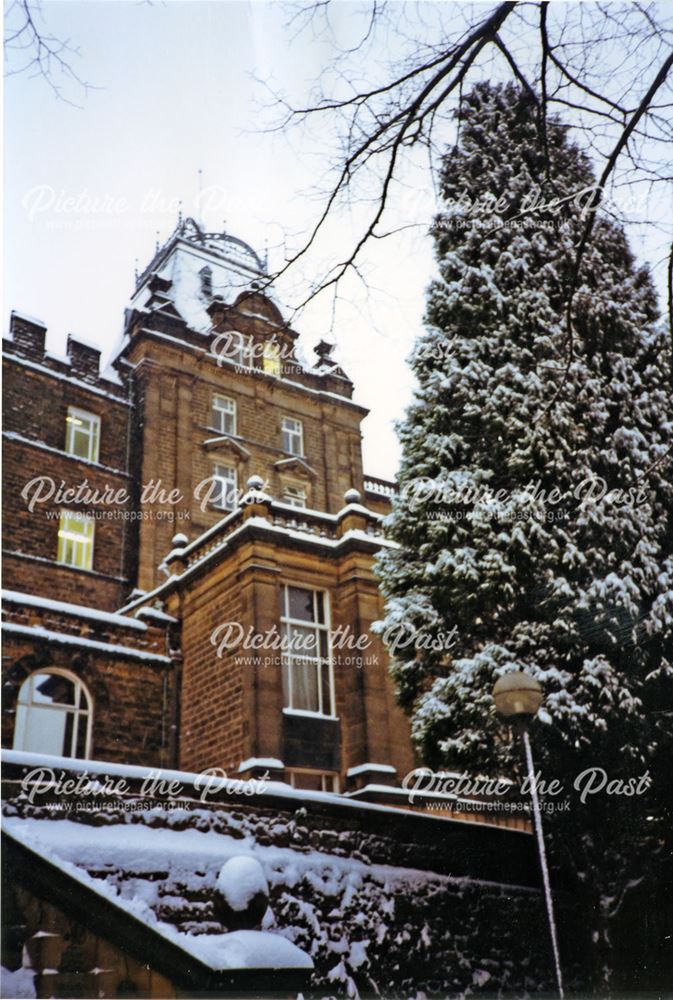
{"points": [[206, 489]]}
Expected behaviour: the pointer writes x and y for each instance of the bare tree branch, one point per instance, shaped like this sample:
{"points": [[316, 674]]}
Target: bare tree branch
{"points": [[578, 57], [39, 53]]}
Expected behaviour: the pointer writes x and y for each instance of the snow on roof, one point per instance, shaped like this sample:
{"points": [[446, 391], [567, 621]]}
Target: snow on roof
{"points": [[260, 762], [319, 541], [110, 374], [29, 319], [75, 338], [81, 610], [65, 639], [154, 614], [67, 377], [352, 772], [258, 372], [182, 266]]}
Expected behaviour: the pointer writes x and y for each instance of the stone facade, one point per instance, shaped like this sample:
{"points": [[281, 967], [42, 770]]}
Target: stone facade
{"points": [[161, 440]]}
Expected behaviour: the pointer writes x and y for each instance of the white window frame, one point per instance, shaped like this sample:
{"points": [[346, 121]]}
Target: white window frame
{"points": [[82, 422], [321, 664], [229, 485], [81, 714], [82, 552], [222, 407], [293, 444], [329, 779], [292, 501]]}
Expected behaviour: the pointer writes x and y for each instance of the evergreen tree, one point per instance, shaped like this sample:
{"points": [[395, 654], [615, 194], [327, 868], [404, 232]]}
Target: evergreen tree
{"points": [[573, 587]]}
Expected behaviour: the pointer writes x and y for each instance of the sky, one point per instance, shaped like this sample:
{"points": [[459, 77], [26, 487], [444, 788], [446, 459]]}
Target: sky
{"points": [[89, 189], [177, 113]]}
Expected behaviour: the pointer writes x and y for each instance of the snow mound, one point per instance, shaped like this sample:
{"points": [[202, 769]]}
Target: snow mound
{"points": [[241, 879], [247, 950]]}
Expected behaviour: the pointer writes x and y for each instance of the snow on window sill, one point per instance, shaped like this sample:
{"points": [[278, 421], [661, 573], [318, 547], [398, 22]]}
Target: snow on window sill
{"points": [[310, 715]]}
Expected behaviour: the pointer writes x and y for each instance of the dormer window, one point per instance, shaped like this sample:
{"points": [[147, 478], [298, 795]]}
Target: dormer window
{"points": [[293, 436], [239, 349], [206, 276], [271, 359], [223, 414]]}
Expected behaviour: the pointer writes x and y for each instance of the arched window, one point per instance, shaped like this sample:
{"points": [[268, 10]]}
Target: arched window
{"points": [[53, 715], [206, 276]]}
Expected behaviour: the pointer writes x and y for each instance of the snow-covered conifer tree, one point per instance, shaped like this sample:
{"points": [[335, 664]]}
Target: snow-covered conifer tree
{"points": [[536, 504]]}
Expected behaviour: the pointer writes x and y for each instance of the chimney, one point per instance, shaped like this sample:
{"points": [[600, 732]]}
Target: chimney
{"points": [[28, 334], [84, 360]]}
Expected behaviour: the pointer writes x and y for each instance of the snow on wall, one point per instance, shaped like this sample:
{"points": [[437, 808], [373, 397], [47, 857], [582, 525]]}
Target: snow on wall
{"points": [[369, 928]]}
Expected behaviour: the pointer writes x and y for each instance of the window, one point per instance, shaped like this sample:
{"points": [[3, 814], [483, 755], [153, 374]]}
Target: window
{"points": [[75, 540], [239, 349], [82, 434], [53, 715], [314, 781], [295, 496], [206, 276], [293, 436], [224, 414], [224, 495], [308, 681], [271, 359]]}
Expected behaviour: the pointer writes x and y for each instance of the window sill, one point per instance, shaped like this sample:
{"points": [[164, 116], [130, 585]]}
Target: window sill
{"points": [[304, 713], [78, 569]]}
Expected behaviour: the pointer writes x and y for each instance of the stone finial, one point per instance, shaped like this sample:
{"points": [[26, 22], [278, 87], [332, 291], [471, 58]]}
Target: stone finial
{"points": [[352, 496], [241, 893], [255, 483], [179, 541]]}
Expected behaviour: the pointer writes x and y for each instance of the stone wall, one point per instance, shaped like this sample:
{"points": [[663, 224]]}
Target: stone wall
{"points": [[386, 903], [132, 693]]}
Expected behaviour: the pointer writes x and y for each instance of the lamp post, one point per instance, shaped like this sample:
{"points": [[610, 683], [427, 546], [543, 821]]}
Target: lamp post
{"points": [[518, 697]]}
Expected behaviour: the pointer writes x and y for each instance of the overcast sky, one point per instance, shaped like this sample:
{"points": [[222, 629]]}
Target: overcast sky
{"points": [[175, 93]]}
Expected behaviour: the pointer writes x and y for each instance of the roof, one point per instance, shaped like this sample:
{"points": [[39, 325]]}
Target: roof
{"points": [[229, 247], [173, 282]]}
